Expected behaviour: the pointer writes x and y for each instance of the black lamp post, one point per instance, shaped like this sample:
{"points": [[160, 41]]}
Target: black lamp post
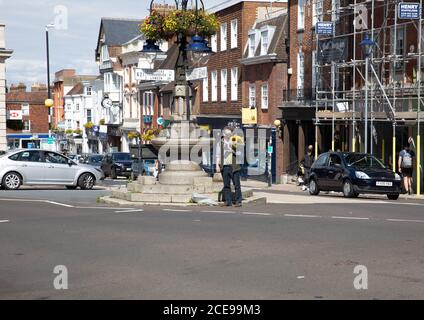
{"points": [[49, 102], [196, 51], [367, 45]]}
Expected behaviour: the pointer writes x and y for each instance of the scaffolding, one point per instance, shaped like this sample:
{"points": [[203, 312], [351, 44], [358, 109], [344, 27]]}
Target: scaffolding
{"points": [[390, 90]]}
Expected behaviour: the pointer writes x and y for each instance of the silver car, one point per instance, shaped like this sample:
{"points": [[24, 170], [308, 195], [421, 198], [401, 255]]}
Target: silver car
{"points": [[41, 167]]}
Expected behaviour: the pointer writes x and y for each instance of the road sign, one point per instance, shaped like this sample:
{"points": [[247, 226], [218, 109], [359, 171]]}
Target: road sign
{"points": [[197, 74], [324, 28], [50, 141], [270, 149], [160, 121], [409, 10], [154, 75]]}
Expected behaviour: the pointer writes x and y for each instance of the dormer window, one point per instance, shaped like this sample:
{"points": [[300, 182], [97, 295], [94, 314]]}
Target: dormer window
{"points": [[265, 42], [252, 45]]}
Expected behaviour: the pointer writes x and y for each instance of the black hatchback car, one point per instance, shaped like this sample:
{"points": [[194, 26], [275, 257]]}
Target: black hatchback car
{"points": [[353, 174], [117, 164]]}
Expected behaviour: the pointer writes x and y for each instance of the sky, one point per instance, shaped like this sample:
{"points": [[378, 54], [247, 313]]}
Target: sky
{"points": [[72, 46]]}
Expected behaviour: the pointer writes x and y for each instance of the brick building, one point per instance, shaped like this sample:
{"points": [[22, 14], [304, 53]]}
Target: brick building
{"points": [[27, 118], [247, 69], [64, 81], [4, 54]]}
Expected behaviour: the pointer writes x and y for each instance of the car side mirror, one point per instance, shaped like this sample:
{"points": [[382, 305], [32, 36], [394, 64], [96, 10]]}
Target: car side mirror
{"points": [[70, 162]]}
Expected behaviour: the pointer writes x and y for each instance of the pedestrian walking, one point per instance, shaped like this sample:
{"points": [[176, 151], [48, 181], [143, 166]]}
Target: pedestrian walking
{"points": [[307, 162], [226, 163], [405, 163]]}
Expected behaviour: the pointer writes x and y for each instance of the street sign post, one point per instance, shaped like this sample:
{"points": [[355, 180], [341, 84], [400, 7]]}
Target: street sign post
{"points": [[197, 74], [409, 10], [154, 75]]}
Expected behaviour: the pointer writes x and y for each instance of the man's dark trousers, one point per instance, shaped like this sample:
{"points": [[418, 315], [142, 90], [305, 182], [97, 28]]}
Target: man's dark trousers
{"points": [[228, 175]]}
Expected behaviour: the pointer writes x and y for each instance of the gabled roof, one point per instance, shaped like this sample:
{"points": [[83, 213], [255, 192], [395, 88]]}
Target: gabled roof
{"points": [[277, 45], [77, 89], [118, 31]]}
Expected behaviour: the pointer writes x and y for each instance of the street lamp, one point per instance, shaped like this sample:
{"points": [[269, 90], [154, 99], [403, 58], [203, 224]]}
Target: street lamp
{"points": [[367, 46], [48, 103], [196, 51]]}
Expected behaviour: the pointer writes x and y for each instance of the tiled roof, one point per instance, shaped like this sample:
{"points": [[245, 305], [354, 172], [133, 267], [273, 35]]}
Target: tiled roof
{"points": [[77, 89], [120, 31], [26, 97], [278, 42]]}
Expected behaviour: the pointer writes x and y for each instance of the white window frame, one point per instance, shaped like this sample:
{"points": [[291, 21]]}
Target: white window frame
{"points": [[314, 72], [300, 74], [317, 10], [104, 53], [252, 45], [252, 95], [214, 43], [205, 89], [301, 15], [214, 86], [264, 96], [224, 85], [148, 103], [25, 109], [234, 33], [223, 34], [264, 44], [29, 126], [234, 84], [335, 7]]}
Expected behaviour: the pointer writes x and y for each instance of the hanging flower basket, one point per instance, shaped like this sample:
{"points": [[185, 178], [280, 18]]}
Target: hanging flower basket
{"points": [[133, 135], [190, 22], [89, 125]]}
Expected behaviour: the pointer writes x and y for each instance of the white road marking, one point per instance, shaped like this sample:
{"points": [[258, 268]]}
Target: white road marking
{"points": [[350, 218], [301, 277], [176, 210], [4, 221], [302, 215], [217, 211], [105, 208], [128, 211], [404, 220], [59, 204], [257, 213]]}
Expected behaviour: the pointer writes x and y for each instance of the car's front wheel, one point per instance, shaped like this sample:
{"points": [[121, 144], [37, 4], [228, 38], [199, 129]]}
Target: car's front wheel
{"points": [[12, 181], [86, 181], [393, 196], [313, 187], [348, 190]]}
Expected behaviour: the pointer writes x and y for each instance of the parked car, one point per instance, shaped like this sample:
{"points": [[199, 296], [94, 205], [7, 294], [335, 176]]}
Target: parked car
{"points": [[117, 164], [42, 167], [149, 156], [353, 174], [94, 160]]}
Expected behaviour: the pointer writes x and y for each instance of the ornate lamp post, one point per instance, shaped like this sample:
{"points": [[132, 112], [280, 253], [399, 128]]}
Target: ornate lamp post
{"points": [[196, 51], [367, 45]]}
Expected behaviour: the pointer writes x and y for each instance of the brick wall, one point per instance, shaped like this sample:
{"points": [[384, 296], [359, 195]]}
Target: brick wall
{"points": [[246, 14]]}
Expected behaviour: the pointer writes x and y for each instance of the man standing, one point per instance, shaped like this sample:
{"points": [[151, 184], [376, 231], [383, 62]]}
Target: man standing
{"points": [[307, 164], [226, 163], [405, 163]]}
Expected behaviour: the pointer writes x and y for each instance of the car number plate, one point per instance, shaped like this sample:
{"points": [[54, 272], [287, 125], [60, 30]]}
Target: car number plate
{"points": [[128, 169], [384, 184]]}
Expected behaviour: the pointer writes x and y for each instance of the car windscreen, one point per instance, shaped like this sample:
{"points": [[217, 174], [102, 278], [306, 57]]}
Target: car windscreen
{"points": [[122, 157], [363, 161], [95, 159]]}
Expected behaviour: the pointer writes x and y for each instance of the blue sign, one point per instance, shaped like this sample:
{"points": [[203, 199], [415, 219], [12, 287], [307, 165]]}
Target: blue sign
{"points": [[147, 119], [324, 28], [96, 128], [409, 10]]}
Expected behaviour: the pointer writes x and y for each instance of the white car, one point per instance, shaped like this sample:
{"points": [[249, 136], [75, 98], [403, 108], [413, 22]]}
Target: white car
{"points": [[42, 167]]}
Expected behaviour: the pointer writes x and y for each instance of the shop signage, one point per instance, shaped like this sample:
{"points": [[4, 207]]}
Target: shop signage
{"points": [[154, 75], [409, 10]]}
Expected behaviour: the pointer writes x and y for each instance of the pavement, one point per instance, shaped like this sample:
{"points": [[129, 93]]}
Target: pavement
{"points": [[302, 247]]}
